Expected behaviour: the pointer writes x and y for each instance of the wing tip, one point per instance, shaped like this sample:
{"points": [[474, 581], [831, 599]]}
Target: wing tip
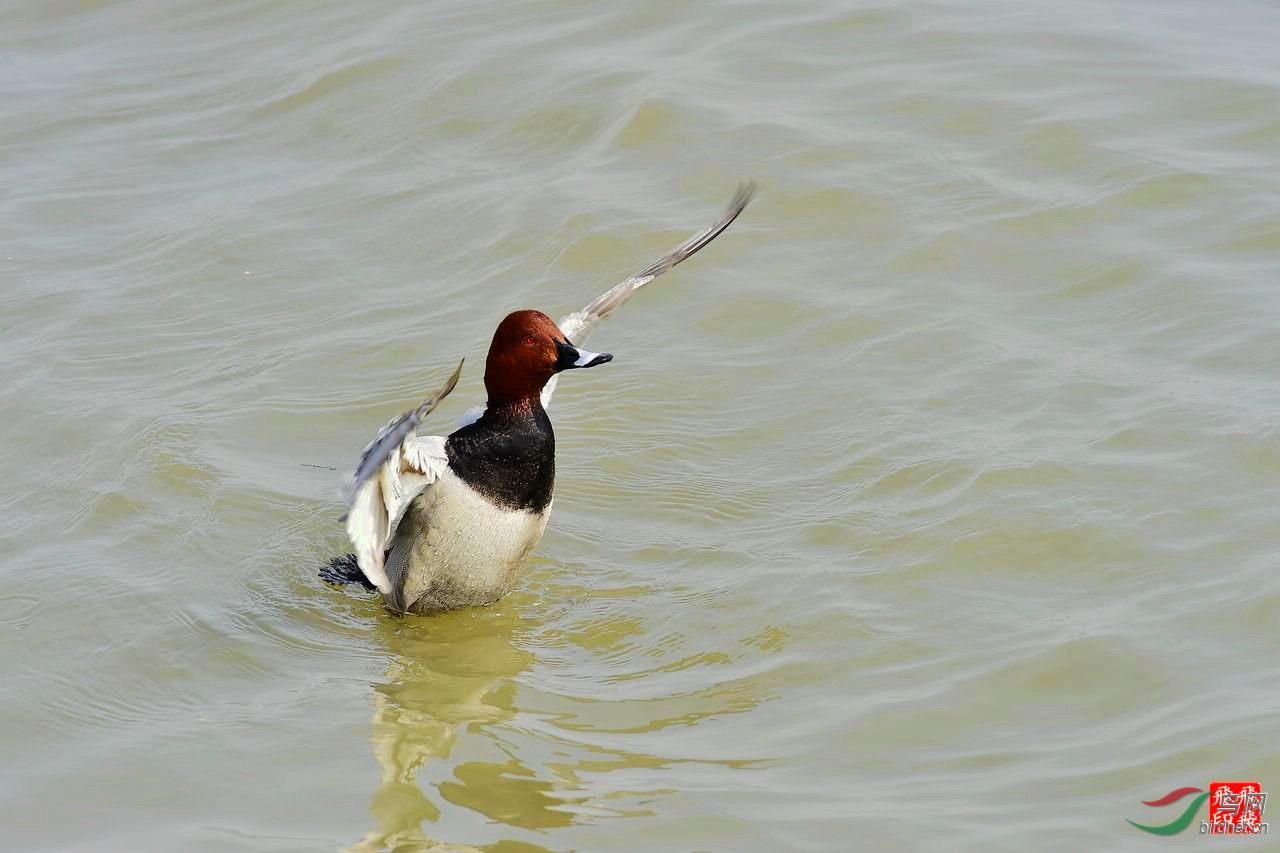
{"points": [[436, 397], [452, 381], [453, 378], [741, 198], [349, 487]]}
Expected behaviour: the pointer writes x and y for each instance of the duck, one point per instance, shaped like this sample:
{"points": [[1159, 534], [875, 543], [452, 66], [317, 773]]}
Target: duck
{"points": [[439, 523]]}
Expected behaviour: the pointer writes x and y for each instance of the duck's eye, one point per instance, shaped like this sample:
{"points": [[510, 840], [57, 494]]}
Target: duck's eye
{"points": [[530, 339]]}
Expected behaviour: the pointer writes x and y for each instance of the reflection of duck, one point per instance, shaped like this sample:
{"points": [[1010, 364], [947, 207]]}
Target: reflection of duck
{"points": [[496, 724], [442, 523], [457, 670]]}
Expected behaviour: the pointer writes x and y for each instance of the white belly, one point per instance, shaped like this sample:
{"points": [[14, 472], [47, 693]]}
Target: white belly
{"points": [[455, 549]]}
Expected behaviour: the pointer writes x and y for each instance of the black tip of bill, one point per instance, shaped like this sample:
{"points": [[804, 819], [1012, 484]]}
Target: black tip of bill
{"points": [[570, 357]]}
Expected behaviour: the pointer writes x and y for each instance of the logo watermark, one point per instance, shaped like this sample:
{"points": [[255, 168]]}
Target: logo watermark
{"points": [[1235, 808]]}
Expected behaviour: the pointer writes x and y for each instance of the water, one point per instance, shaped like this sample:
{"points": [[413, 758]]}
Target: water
{"points": [[931, 508]]}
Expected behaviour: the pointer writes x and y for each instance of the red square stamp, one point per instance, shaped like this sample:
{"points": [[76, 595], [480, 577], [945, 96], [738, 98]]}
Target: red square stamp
{"points": [[1235, 808]]}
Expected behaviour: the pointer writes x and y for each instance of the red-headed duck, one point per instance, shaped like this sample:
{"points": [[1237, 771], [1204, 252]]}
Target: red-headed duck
{"points": [[440, 523]]}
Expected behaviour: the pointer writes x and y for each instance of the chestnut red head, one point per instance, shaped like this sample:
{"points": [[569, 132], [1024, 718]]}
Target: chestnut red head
{"points": [[528, 349]]}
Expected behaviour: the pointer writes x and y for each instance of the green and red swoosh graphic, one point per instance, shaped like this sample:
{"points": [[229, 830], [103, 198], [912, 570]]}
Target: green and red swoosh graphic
{"points": [[1184, 820]]}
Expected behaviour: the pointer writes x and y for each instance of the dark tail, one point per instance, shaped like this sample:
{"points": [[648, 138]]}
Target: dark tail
{"points": [[344, 570]]}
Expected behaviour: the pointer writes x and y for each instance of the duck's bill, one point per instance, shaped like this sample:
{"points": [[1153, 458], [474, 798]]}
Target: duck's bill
{"points": [[591, 359], [570, 357]]}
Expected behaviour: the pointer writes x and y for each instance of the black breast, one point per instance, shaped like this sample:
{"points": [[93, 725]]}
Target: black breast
{"points": [[509, 457]]}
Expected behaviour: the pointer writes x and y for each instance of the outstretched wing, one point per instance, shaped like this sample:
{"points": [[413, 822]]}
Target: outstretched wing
{"points": [[393, 470], [578, 325]]}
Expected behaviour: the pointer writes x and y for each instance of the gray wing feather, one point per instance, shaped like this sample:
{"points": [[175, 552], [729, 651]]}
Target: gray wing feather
{"points": [[579, 324], [389, 439], [691, 246], [394, 469]]}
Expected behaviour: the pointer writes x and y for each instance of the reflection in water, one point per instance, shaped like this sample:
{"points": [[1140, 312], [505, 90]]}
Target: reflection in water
{"points": [[446, 671], [463, 671], [510, 793]]}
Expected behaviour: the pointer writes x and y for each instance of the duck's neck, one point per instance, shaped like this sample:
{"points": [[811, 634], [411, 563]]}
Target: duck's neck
{"points": [[513, 408]]}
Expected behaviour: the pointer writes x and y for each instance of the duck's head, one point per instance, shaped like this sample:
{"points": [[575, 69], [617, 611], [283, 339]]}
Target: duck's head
{"points": [[527, 350]]}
